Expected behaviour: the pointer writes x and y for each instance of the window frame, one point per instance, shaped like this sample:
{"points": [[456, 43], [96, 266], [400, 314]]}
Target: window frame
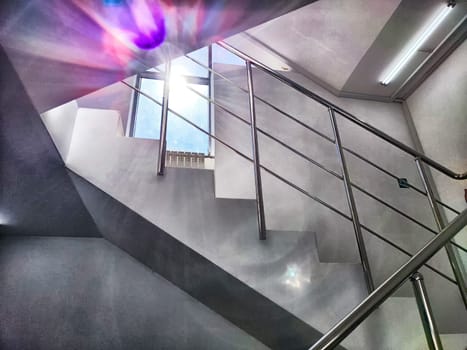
{"points": [[190, 79]]}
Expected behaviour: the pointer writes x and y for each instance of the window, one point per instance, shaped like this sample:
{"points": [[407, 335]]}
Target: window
{"points": [[185, 75]]}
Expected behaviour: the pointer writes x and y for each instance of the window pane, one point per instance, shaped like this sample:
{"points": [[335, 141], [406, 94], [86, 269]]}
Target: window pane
{"points": [[185, 66], [181, 136], [148, 113]]}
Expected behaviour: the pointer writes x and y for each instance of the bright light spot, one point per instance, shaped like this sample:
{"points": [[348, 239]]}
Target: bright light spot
{"points": [[293, 277], [415, 45], [177, 81], [3, 219], [178, 88]]}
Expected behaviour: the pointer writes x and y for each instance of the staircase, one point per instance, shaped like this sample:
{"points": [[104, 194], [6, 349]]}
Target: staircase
{"points": [[309, 264]]}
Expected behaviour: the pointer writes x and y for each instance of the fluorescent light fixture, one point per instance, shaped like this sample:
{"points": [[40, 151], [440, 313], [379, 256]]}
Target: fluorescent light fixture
{"points": [[430, 28]]}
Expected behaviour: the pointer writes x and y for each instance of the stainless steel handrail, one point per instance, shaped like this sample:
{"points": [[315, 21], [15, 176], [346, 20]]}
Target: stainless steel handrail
{"points": [[329, 171], [345, 114], [432, 340], [453, 258], [256, 160], [345, 326], [275, 139], [352, 207], [387, 172], [164, 121], [289, 183], [315, 131], [267, 103], [406, 252], [426, 314], [400, 212]]}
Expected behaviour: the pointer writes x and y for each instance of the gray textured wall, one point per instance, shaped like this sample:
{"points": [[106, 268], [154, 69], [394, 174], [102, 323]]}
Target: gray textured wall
{"points": [[37, 196], [439, 111], [116, 97], [84, 293]]}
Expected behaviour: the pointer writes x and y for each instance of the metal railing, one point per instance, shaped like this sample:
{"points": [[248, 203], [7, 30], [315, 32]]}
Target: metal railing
{"points": [[348, 184], [287, 182], [342, 329], [455, 264], [347, 115]]}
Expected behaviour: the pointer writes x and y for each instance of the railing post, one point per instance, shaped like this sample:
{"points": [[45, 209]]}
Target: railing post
{"points": [[346, 325], [426, 314], [164, 118], [452, 256], [256, 161], [352, 206]]}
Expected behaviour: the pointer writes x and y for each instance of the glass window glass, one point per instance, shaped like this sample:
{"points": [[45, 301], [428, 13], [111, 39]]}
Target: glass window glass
{"points": [[185, 66], [148, 113], [181, 136]]}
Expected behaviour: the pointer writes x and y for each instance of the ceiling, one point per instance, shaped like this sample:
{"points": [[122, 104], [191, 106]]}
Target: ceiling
{"points": [[346, 45], [62, 50]]}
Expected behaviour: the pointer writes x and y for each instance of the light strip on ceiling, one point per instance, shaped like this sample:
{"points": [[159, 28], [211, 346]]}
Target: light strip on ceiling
{"points": [[430, 28]]}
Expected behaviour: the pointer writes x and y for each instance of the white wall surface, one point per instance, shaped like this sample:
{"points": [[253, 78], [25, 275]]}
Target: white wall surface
{"points": [[439, 112], [60, 123]]}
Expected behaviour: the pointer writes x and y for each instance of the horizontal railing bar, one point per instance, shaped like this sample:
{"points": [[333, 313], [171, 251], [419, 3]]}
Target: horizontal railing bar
{"points": [[299, 122], [287, 182], [387, 172], [396, 177], [448, 207], [345, 114], [213, 101], [311, 160], [306, 193], [390, 206], [353, 319], [406, 252], [400, 212], [190, 122], [210, 100], [324, 136]]}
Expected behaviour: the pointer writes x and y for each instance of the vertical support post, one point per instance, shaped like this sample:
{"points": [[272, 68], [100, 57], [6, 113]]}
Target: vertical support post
{"points": [[426, 314], [451, 253], [164, 118], [131, 124], [211, 105], [352, 206], [256, 161]]}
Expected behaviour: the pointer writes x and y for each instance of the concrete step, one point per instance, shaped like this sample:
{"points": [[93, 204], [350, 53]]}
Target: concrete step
{"points": [[124, 168], [285, 268], [190, 257]]}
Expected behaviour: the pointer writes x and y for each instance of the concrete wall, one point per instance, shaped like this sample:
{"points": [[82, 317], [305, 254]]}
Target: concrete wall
{"points": [[37, 196], [116, 97], [60, 122], [84, 293], [439, 112]]}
